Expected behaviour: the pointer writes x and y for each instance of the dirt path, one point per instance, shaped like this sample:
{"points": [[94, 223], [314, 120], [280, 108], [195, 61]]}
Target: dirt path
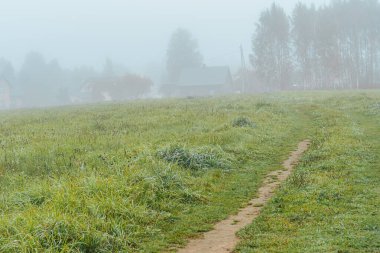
{"points": [[222, 238]]}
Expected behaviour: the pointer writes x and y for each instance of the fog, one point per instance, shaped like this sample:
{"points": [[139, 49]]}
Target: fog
{"points": [[130, 36], [133, 33]]}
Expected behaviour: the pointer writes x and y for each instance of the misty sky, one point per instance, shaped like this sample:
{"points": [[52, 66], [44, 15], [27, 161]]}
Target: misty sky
{"points": [[134, 33]]}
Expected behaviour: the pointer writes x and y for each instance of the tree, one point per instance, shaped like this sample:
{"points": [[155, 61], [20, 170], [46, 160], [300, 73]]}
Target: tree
{"points": [[340, 43], [40, 81], [303, 40], [6, 70], [131, 86], [271, 48], [334, 47], [182, 53], [32, 79], [128, 86]]}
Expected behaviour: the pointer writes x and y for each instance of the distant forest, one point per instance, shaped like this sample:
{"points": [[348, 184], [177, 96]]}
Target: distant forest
{"points": [[332, 47], [46, 83]]}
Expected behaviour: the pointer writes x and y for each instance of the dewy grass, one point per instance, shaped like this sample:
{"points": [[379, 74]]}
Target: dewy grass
{"points": [[89, 178], [195, 159], [331, 202], [145, 176], [374, 109]]}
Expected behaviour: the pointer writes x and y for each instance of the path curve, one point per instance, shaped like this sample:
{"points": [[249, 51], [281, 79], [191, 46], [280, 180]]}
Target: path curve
{"points": [[223, 237]]}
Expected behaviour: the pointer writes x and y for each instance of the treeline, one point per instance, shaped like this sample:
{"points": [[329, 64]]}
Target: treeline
{"points": [[336, 46], [332, 47], [39, 82]]}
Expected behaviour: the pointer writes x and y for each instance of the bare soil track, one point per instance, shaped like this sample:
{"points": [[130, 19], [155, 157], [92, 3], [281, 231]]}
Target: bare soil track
{"points": [[223, 237]]}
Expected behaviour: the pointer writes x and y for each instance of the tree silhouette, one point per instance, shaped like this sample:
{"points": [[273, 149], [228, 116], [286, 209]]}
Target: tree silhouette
{"points": [[271, 47], [182, 53]]}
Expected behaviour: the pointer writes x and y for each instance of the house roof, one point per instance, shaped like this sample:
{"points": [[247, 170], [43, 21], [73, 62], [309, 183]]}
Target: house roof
{"points": [[205, 76]]}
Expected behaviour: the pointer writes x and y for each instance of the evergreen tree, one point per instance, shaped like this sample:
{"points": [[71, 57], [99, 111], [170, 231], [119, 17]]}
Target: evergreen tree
{"points": [[183, 52]]}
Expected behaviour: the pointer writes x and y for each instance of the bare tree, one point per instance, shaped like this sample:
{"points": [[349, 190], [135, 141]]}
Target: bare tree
{"points": [[336, 46], [271, 49], [303, 41]]}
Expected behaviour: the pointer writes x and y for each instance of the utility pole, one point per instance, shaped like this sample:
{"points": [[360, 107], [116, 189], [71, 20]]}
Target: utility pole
{"points": [[243, 69]]}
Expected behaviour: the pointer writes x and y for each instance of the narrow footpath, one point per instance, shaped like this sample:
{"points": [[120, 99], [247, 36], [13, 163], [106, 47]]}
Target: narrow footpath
{"points": [[223, 236]]}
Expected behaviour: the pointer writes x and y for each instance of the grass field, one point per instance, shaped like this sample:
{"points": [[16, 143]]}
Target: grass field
{"points": [[145, 176], [332, 202]]}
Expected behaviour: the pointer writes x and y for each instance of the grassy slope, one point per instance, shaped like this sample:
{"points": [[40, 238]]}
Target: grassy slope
{"points": [[89, 179], [332, 202]]}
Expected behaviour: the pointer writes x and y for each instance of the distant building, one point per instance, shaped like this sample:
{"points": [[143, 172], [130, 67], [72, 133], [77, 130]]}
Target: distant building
{"points": [[5, 94], [204, 81]]}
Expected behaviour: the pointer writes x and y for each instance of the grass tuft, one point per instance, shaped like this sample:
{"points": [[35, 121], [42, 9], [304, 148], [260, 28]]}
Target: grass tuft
{"points": [[194, 159], [243, 122]]}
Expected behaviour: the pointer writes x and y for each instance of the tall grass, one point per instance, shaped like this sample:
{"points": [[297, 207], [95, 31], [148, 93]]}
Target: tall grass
{"points": [[141, 176]]}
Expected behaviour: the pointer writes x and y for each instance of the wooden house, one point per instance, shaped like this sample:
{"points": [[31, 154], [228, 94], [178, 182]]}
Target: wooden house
{"points": [[204, 81]]}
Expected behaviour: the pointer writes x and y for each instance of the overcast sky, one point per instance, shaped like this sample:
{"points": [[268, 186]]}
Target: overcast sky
{"points": [[134, 33]]}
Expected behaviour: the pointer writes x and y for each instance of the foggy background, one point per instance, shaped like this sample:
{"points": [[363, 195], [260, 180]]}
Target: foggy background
{"points": [[132, 33], [70, 52]]}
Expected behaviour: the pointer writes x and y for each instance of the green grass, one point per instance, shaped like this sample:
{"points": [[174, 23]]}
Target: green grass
{"points": [[332, 201], [145, 176]]}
